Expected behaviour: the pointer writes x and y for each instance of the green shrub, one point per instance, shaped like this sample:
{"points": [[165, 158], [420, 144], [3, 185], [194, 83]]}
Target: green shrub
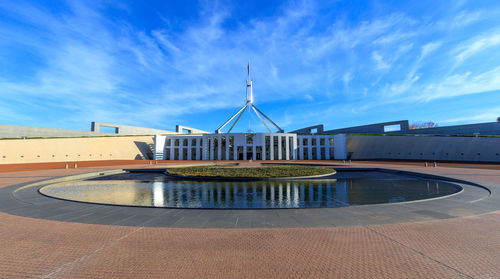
{"points": [[257, 172]]}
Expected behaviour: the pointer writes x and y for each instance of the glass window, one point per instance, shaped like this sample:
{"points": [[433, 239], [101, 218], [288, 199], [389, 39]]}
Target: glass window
{"points": [[193, 153], [193, 142], [176, 142], [330, 141], [313, 141], [250, 138], [304, 141], [322, 141]]}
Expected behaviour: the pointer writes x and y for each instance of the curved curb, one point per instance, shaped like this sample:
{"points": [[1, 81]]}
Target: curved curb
{"points": [[67, 178], [31, 203], [424, 175]]}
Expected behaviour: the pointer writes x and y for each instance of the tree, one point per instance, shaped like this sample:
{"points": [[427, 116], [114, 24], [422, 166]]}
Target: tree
{"points": [[423, 125], [498, 119]]}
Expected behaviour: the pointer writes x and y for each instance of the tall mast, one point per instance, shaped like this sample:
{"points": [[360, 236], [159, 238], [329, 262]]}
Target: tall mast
{"points": [[249, 104], [249, 86]]}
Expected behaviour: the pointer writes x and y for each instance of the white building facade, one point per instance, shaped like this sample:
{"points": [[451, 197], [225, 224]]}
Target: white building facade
{"points": [[250, 146]]}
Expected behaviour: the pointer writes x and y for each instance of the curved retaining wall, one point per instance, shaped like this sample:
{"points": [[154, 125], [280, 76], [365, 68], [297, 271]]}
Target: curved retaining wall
{"points": [[432, 148], [75, 149]]}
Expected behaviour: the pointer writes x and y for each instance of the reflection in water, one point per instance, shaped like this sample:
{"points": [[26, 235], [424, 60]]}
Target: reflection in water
{"points": [[253, 194]]}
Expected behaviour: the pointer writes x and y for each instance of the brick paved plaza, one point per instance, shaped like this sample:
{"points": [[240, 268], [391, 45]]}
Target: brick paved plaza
{"points": [[466, 247]]}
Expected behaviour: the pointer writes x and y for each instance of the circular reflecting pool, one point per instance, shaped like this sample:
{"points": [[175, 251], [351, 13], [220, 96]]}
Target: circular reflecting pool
{"points": [[344, 189]]}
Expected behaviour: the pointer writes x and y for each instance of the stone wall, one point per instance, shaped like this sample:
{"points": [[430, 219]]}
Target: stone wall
{"points": [[75, 149]]}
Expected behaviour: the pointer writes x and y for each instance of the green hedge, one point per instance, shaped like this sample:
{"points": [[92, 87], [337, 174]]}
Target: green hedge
{"points": [[257, 172]]}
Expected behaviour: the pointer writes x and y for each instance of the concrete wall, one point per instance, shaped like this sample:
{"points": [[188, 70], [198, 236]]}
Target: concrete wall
{"points": [[480, 149], [182, 129], [308, 130], [13, 131], [75, 149], [490, 128], [377, 128], [127, 130]]}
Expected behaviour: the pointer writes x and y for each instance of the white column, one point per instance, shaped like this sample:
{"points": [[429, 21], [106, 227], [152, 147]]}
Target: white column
{"points": [[172, 144], [245, 150], [318, 148], [219, 147], [295, 147], [227, 148], [235, 150], [280, 156], [309, 148], [211, 139], [287, 147], [301, 149], [264, 147], [271, 147], [327, 148], [254, 152], [189, 149]]}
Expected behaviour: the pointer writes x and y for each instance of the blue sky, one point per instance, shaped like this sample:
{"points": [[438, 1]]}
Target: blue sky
{"points": [[161, 63]]}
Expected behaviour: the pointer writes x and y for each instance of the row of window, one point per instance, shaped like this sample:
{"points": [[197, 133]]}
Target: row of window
{"points": [[314, 141], [176, 142], [249, 140], [316, 153]]}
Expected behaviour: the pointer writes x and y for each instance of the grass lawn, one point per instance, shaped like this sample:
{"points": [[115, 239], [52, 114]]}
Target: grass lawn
{"points": [[257, 172]]}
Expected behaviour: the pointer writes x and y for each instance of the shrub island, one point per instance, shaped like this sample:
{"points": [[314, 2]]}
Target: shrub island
{"points": [[252, 172]]}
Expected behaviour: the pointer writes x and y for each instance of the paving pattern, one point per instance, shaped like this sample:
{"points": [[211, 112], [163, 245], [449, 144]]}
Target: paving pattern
{"points": [[466, 247]]}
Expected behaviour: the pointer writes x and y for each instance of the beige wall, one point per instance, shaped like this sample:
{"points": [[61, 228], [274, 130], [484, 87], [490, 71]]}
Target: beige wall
{"points": [[74, 149]]}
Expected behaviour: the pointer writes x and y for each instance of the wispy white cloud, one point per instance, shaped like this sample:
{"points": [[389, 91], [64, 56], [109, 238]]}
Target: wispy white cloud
{"points": [[462, 19], [473, 116], [462, 84], [92, 66], [380, 64], [465, 18], [429, 48], [476, 45], [346, 78]]}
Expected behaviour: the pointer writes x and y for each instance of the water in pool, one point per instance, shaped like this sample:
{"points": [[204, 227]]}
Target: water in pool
{"points": [[344, 190]]}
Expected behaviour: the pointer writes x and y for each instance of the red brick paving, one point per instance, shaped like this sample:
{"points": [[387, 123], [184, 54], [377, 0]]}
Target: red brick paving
{"points": [[82, 164], [131, 163], [454, 248]]}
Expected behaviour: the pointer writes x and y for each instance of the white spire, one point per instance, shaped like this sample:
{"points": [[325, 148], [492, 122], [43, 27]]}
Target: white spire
{"points": [[250, 107], [249, 86]]}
